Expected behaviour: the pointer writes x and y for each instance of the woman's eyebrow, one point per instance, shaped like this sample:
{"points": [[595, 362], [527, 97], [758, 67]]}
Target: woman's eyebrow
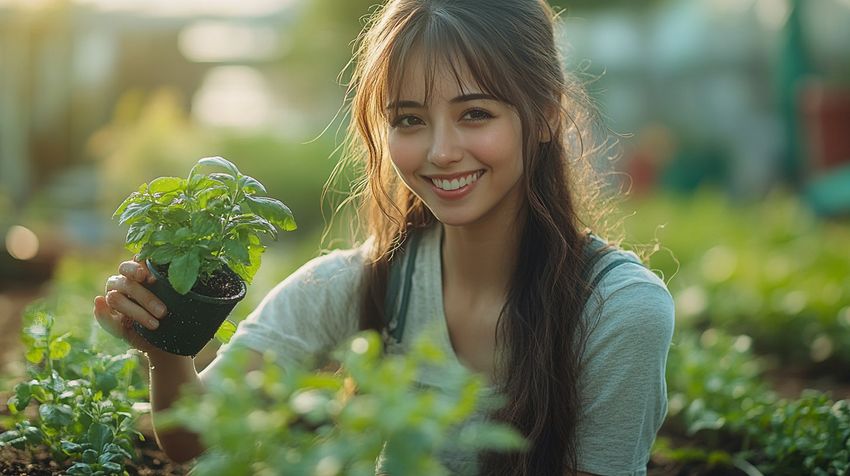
{"points": [[462, 98], [403, 104], [473, 97]]}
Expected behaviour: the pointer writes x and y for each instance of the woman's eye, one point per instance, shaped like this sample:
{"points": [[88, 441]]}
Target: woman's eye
{"points": [[406, 121], [477, 115]]}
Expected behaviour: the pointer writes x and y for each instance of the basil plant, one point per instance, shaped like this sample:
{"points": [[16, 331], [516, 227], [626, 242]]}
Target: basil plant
{"points": [[200, 224]]}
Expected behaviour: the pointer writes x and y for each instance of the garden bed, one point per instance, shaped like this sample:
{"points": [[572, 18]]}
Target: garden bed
{"points": [[151, 462]]}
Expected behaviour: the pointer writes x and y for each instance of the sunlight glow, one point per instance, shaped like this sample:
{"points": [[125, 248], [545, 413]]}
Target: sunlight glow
{"points": [[219, 41], [171, 8], [234, 96], [21, 243]]}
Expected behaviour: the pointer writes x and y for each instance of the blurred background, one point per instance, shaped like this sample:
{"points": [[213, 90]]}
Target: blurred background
{"points": [[735, 123]]}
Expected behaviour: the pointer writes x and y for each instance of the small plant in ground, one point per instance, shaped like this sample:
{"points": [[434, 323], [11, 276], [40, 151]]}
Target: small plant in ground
{"points": [[807, 436], [717, 397], [199, 225], [297, 422], [84, 401]]}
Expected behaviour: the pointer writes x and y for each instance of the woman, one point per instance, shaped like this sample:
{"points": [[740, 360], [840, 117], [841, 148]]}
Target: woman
{"points": [[467, 127]]}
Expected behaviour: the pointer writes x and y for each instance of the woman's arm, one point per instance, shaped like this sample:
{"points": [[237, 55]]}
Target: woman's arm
{"points": [[169, 375], [128, 301]]}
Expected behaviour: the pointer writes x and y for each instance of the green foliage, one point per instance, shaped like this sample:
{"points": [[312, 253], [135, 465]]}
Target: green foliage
{"points": [[203, 223], [714, 383], [304, 423], [807, 436], [718, 399], [770, 270], [83, 398]]}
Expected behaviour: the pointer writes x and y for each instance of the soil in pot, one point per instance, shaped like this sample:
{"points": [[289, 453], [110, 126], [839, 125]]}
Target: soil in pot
{"points": [[193, 318]]}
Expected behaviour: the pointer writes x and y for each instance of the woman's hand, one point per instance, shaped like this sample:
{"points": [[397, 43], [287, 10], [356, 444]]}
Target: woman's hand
{"points": [[128, 301]]}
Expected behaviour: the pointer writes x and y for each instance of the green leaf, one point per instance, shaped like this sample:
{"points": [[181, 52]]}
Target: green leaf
{"points": [[112, 467], [70, 448], [255, 252], [127, 201], [204, 195], [21, 398], [19, 442], [183, 272], [115, 449], [225, 331], [56, 416], [226, 179], [59, 349], [274, 211], [35, 355], [237, 250], [204, 224], [105, 382], [134, 212], [165, 184], [250, 185], [99, 435], [220, 162], [33, 435], [90, 456], [80, 469], [164, 254], [137, 232], [176, 215], [491, 436], [253, 223]]}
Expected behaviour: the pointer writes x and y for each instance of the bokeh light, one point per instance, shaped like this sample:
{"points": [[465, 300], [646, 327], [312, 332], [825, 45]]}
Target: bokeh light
{"points": [[21, 243]]}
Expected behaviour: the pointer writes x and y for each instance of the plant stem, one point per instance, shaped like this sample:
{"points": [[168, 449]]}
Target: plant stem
{"points": [[226, 221]]}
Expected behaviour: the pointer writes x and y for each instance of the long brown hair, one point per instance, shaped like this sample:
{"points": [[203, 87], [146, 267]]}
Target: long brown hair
{"points": [[509, 47]]}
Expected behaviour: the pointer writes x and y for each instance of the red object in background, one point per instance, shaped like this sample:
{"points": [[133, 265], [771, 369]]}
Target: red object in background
{"points": [[826, 122]]}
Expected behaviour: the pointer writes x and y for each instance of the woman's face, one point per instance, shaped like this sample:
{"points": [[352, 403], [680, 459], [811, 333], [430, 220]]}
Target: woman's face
{"points": [[461, 152]]}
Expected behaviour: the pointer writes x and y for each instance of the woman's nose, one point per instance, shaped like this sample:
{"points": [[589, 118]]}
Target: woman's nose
{"points": [[445, 146]]}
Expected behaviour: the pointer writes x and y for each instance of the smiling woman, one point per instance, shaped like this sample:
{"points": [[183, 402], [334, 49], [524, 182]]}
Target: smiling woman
{"points": [[472, 139], [458, 143]]}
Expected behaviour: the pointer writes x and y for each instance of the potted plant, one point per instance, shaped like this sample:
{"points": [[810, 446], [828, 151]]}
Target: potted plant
{"points": [[200, 238]]}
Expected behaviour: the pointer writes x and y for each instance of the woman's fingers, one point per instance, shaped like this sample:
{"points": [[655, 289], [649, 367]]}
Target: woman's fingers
{"points": [[107, 318], [118, 301], [137, 271], [138, 302], [118, 325]]}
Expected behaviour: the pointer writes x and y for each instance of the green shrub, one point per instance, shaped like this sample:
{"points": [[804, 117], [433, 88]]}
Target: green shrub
{"points": [[718, 400], [304, 423], [807, 436], [769, 270], [84, 401]]}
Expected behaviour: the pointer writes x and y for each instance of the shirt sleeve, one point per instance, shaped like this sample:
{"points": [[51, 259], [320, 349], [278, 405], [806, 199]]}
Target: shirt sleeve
{"points": [[307, 315], [624, 393]]}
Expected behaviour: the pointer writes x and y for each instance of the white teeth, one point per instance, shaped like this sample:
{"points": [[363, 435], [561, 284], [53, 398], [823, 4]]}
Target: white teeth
{"points": [[455, 184]]}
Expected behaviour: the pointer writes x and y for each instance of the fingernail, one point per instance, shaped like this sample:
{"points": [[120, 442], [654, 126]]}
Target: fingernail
{"points": [[153, 323], [158, 309]]}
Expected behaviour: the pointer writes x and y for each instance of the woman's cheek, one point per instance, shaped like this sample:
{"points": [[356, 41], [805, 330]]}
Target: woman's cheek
{"points": [[499, 145], [405, 153]]}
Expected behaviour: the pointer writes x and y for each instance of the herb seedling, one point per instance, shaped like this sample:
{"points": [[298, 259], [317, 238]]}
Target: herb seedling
{"points": [[84, 401], [202, 224]]}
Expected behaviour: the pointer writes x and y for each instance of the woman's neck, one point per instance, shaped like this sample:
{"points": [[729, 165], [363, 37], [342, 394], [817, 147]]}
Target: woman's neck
{"points": [[480, 258]]}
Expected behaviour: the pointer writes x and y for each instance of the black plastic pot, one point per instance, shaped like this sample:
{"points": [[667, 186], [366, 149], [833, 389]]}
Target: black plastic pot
{"points": [[192, 318]]}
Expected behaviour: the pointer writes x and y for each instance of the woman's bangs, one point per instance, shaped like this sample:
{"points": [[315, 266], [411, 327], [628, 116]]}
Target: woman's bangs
{"points": [[442, 48]]}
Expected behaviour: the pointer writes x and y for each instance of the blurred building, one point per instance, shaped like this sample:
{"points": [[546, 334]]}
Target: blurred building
{"points": [[710, 89]]}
